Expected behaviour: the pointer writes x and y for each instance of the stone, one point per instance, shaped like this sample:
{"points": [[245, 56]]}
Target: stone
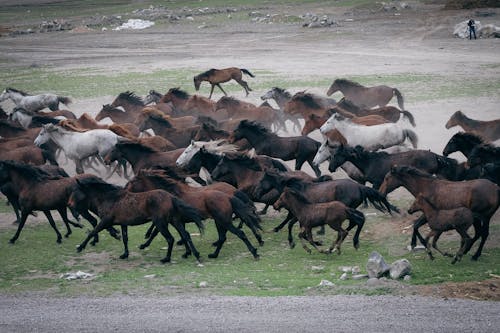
{"points": [[400, 268], [359, 276], [376, 266], [203, 284], [326, 283], [344, 276]]}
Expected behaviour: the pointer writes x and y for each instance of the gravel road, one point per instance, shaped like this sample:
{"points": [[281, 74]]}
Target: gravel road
{"points": [[247, 314]]}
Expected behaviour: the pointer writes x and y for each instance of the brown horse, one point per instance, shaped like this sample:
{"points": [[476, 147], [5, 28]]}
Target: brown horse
{"points": [[194, 105], [30, 155], [117, 206], [299, 148], [118, 116], [313, 121], [32, 185], [366, 97], [240, 109], [311, 215], [481, 196], [86, 122], [217, 76], [440, 220], [210, 202], [176, 122], [10, 129], [391, 113], [129, 101], [488, 130], [305, 104]]}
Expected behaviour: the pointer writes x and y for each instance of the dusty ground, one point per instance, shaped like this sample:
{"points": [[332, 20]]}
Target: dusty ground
{"points": [[417, 40]]}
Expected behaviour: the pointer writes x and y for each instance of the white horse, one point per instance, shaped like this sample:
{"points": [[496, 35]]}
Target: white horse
{"points": [[370, 137], [79, 145], [34, 102], [216, 147]]}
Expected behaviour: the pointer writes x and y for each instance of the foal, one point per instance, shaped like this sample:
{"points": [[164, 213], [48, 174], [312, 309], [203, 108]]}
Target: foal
{"points": [[439, 220], [312, 215]]}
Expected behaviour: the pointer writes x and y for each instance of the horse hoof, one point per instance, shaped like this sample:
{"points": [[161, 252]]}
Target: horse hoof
{"points": [[292, 245], [276, 230], [212, 255], [165, 260], [67, 235], [142, 246], [79, 249], [12, 241], [474, 258], [261, 243], [180, 242], [186, 255], [124, 256], [320, 232], [58, 241], [256, 257]]}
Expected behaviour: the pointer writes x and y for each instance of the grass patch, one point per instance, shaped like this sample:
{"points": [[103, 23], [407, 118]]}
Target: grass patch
{"points": [[35, 262]]}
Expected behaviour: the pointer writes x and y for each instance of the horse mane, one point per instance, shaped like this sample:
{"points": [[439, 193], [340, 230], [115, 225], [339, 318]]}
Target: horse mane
{"points": [[253, 126], [212, 128], [158, 116], [244, 160], [87, 117], [207, 73], [17, 91], [179, 93], [346, 82], [29, 170], [219, 147], [94, 181], [282, 91], [121, 131], [485, 148], [308, 99], [202, 119], [469, 137], [108, 107], [163, 179], [131, 97], [298, 194], [136, 146], [155, 93]]}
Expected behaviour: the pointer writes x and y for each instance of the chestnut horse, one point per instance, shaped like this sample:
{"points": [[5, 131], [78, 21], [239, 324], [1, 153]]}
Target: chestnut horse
{"points": [[365, 97], [235, 108], [391, 113], [481, 196], [118, 116], [306, 103], [185, 104], [117, 206], [217, 76], [488, 130]]}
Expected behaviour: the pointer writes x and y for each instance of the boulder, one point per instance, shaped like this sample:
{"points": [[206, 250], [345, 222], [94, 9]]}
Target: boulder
{"points": [[399, 269], [376, 266]]}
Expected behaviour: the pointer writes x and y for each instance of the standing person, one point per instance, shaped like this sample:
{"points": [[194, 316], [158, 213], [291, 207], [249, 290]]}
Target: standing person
{"points": [[472, 28]]}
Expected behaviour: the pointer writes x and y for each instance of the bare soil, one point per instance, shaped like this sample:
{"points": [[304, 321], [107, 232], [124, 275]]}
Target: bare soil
{"points": [[366, 41]]}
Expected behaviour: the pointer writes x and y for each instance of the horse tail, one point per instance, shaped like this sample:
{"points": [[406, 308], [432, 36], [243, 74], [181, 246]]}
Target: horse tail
{"points": [[409, 116], [247, 72], [64, 100], [399, 96], [246, 213], [188, 212], [377, 200], [409, 134], [49, 155]]}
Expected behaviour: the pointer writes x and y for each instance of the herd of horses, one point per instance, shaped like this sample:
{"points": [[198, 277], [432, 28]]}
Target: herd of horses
{"points": [[232, 150]]}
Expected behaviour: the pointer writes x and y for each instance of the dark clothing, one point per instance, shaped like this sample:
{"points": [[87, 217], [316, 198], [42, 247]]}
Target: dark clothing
{"points": [[472, 28]]}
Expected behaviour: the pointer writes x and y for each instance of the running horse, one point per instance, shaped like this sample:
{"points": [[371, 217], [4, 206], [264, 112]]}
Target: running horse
{"points": [[366, 97], [488, 130], [34, 102], [217, 76]]}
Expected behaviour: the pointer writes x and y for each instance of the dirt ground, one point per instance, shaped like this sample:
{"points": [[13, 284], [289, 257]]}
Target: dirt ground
{"points": [[415, 40]]}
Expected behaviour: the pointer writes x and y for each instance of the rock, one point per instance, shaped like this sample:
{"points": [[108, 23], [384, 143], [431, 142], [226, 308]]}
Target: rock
{"points": [[407, 278], [203, 284], [345, 269], [344, 276], [372, 282], [355, 270], [359, 276], [318, 268], [326, 283], [76, 276], [376, 266], [400, 268], [150, 276]]}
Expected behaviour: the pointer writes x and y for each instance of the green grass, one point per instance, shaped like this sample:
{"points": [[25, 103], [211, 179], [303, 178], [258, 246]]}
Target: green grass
{"points": [[35, 263]]}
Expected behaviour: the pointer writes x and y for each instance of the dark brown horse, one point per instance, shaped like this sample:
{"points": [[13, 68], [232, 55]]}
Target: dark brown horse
{"points": [[118, 116], [322, 190], [217, 76], [299, 148], [129, 101], [366, 97], [32, 185], [311, 215], [440, 220], [305, 104], [176, 122], [389, 112], [375, 165], [488, 130], [10, 129], [235, 108], [210, 202], [484, 153], [194, 105], [30, 155], [117, 206], [481, 196]]}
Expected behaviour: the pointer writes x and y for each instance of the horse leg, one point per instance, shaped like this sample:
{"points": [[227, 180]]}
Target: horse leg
{"points": [[466, 240], [104, 224], [190, 248], [321, 230], [291, 223], [264, 210], [315, 168], [244, 84], [416, 225], [287, 219], [312, 242], [211, 91], [125, 242], [341, 235], [241, 235], [427, 245], [302, 237], [24, 216], [218, 244], [355, 239], [67, 222], [220, 87], [485, 232], [168, 237], [79, 166], [434, 244], [150, 235]]}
